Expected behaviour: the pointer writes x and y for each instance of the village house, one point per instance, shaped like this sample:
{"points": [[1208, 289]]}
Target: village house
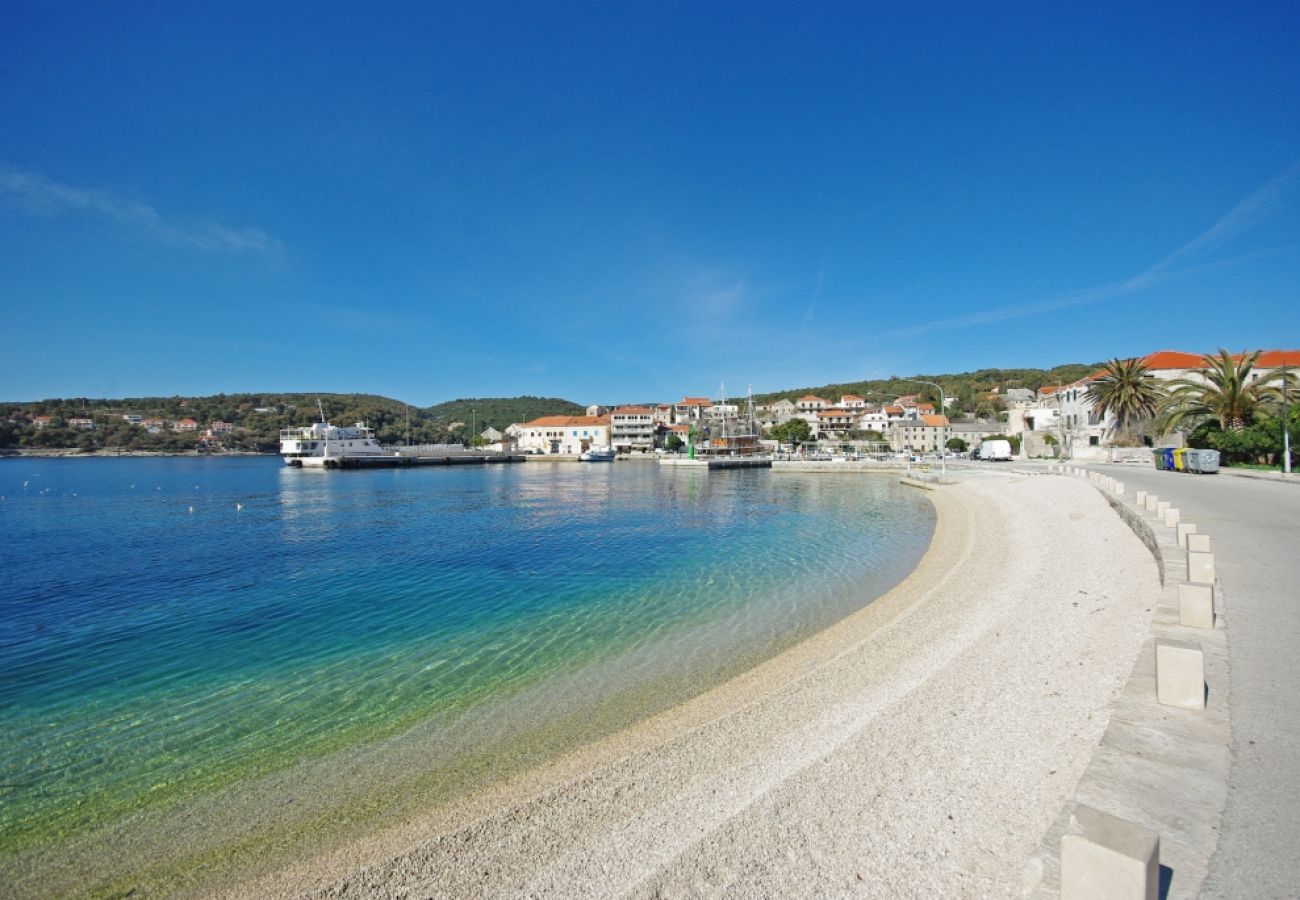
{"points": [[834, 422], [632, 428], [811, 403], [564, 435], [184, 425], [690, 409], [924, 435]]}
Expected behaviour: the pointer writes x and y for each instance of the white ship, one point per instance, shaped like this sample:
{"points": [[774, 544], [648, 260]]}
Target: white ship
{"points": [[331, 446], [325, 446]]}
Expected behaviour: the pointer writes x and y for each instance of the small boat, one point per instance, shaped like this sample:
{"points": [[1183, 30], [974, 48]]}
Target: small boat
{"points": [[598, 454]]}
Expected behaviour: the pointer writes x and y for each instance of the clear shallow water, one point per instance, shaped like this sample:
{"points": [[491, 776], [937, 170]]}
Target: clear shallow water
{"points": [[159, 644]]}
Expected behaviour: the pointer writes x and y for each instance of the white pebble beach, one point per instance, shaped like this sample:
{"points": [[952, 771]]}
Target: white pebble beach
{"points": [[920, 747]]}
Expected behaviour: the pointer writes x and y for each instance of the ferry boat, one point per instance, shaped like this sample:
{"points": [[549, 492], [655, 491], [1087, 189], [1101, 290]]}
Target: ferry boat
{"points": [[331, 446], [598, 454], [325, 446]]}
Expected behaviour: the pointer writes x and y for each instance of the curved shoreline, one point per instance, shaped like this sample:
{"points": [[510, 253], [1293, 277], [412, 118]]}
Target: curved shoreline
{"points": [[807, 750]]}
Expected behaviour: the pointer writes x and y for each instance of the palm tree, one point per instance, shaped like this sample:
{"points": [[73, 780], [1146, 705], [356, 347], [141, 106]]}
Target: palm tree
{"points": [[1226, 392], [1127, 391]]}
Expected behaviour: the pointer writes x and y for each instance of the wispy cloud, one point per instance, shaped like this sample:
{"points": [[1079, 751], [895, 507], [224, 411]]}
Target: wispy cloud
{"points": [[717, 300], [811, 309], [38, 195], [1187, 259]]}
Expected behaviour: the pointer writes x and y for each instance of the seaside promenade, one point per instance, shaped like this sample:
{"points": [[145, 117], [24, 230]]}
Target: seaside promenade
{"points": [[1255, 524]]}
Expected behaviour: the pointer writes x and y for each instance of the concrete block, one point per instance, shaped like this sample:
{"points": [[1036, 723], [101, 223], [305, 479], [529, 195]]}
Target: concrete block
{"points": [[1152, 500], [1180, 674], [1184, 529], [1196, 605], [1161, 506], [1171, 518], [1198, 542], [1104, 857], [1119, 488], [1140, 498], [1200, 567]]}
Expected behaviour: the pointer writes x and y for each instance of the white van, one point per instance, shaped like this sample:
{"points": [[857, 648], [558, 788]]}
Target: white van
{"points": [[995, 450]]}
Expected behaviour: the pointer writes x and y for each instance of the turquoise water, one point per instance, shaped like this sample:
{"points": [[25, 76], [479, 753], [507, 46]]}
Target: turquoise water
{"points": [[172, 627]]}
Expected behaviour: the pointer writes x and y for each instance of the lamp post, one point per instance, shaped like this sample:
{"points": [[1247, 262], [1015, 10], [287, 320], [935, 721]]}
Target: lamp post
{"points": [[943, 429], [1286, 422]]}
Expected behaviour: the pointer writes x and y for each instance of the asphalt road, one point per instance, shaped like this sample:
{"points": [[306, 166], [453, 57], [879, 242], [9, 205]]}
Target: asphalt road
{"points": [[1254, 528]]}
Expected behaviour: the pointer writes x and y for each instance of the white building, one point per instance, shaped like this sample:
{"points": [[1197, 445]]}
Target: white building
{"points": [[690, 409], [632, 428], [564, 435]]}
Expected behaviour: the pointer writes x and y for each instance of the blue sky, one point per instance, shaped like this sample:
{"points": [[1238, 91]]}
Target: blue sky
{"points": [[634, 201]]}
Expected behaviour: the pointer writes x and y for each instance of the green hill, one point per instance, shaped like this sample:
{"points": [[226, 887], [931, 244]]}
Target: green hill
{"points": [[257, 419], [969, 388], [500, 412]]}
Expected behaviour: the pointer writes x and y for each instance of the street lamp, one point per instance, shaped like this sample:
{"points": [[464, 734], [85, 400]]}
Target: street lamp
{"points": [[1286, 422], [943, 429]]}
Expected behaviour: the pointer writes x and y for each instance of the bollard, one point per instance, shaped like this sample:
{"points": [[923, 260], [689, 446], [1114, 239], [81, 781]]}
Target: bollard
{"points": [[1184, 529], [1119, 488], [1161, 506], [1171, 517], [1104, 857], [1198, 542], [1200, 567], [1152, 500], [1196, 605], [1180, 674], [1140, 498]]}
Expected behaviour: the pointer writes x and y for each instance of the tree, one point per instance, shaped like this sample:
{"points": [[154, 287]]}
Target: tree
{"points": [[795, 431], [1128, 392], [957, 445], [1225, 393], [674, 443]]}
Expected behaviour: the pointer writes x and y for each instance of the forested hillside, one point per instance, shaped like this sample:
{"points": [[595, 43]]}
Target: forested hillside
{"points": [[970, 388], [256, 419]]}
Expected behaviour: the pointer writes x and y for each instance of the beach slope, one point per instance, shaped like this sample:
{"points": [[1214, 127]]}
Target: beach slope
{"points": [[920, 747]]}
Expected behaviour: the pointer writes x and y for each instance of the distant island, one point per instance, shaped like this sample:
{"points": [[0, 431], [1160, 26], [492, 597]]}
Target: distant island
{"points": [[252, 422]]}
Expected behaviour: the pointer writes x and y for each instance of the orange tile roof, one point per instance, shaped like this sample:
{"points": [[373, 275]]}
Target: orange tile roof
{"points": [[850, 397], [810, 399], [1275, 359], [934, 421], [1050, 389], [1173, 359], [633, 411], [695, 401], [566, 421], [895, 410]]}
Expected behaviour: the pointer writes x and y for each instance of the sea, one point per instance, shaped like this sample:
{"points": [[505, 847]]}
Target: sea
{"points": [[213, 664]]}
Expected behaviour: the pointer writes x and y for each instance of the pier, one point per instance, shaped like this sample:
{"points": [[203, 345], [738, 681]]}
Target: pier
{"points": [[720, 462], [403, 460]]}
